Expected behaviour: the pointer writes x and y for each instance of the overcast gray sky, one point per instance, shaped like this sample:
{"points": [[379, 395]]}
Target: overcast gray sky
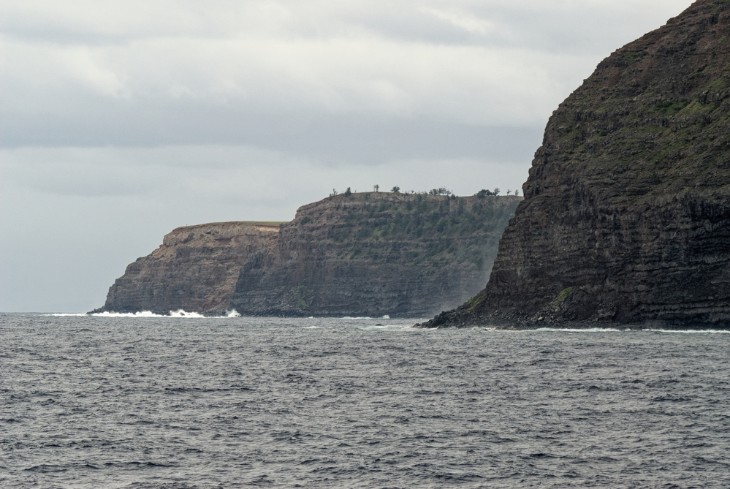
{"points": [[122, 120]]}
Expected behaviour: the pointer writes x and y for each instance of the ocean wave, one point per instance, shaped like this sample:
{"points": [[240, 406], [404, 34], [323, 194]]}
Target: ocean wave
{"points": [[583, 330], [365, 317], [636, 330], [691, 331], [388, 327], [180, 313]]}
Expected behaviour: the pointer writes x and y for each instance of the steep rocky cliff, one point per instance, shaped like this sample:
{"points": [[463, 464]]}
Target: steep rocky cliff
{"points": [[626, 217], [360, 254], [195, 269]]}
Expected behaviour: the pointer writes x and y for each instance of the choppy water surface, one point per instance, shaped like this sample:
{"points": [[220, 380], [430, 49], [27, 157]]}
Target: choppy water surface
{"points": [[237, 402]]}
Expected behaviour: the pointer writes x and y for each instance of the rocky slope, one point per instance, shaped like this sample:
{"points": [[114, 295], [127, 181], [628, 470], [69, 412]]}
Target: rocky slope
{"points": [[626, 217], [361, 254]]}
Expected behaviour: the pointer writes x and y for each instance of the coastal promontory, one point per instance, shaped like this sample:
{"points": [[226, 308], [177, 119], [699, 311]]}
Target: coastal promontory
{"points": [[351, 254], [626, 216]]}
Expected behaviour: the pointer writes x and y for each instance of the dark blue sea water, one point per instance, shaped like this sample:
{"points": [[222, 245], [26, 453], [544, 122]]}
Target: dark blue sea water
{"points": [[251, 402]]}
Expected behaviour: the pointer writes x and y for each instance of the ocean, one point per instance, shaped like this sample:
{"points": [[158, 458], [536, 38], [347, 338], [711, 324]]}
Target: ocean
{"points": [[185, 402]]}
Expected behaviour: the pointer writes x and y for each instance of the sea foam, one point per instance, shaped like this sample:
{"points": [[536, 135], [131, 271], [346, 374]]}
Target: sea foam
{"points": [[180, 313]]}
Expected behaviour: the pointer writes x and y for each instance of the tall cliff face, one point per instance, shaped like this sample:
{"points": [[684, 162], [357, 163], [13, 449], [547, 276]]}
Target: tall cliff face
{"points": [[360, 254], [195, 269], [626, 216], [377, 253]]}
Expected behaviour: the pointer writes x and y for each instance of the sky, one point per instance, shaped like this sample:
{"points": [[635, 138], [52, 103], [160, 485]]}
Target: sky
{"points": [[120, 121]]}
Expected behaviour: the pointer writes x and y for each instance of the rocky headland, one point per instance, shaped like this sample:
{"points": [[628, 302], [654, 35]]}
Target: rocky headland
{"points": [[359, 254], [195, 269], [626, 216]]}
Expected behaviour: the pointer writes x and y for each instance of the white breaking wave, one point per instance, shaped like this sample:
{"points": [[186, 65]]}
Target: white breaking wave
{"points": [[636, 330], [138, 314], [141, 314], [582, 330], [389, 327], [364, 317], [180, 313]]}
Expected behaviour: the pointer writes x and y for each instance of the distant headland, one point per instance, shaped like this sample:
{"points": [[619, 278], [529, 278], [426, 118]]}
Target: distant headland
{"points": [[351, 254]]}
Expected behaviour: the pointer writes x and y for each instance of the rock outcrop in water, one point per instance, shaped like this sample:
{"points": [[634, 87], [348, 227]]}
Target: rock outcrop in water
{"points": [[626, 217], [364, 254]]}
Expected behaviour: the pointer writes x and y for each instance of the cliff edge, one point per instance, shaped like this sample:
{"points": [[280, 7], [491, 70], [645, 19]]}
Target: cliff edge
{"points": [[360, 254], [626, 216]]}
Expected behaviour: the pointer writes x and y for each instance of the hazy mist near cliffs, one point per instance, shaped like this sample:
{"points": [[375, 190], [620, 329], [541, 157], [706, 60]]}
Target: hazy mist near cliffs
{"points": [[626, 217], [370, 254], [122, 122]]}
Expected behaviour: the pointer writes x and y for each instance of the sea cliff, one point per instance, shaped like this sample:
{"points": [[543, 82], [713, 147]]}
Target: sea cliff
{"points": [[626, 216], [361, 254], [195, 269]]}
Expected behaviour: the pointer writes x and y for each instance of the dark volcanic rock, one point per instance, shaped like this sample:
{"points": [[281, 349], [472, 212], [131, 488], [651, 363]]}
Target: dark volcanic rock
{"points": [[366, 254], [626, 217]]}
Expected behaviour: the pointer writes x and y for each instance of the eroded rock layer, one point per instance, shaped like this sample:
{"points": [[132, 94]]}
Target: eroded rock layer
{"points": [[364, 254], [626, 217], [195, 269]]}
